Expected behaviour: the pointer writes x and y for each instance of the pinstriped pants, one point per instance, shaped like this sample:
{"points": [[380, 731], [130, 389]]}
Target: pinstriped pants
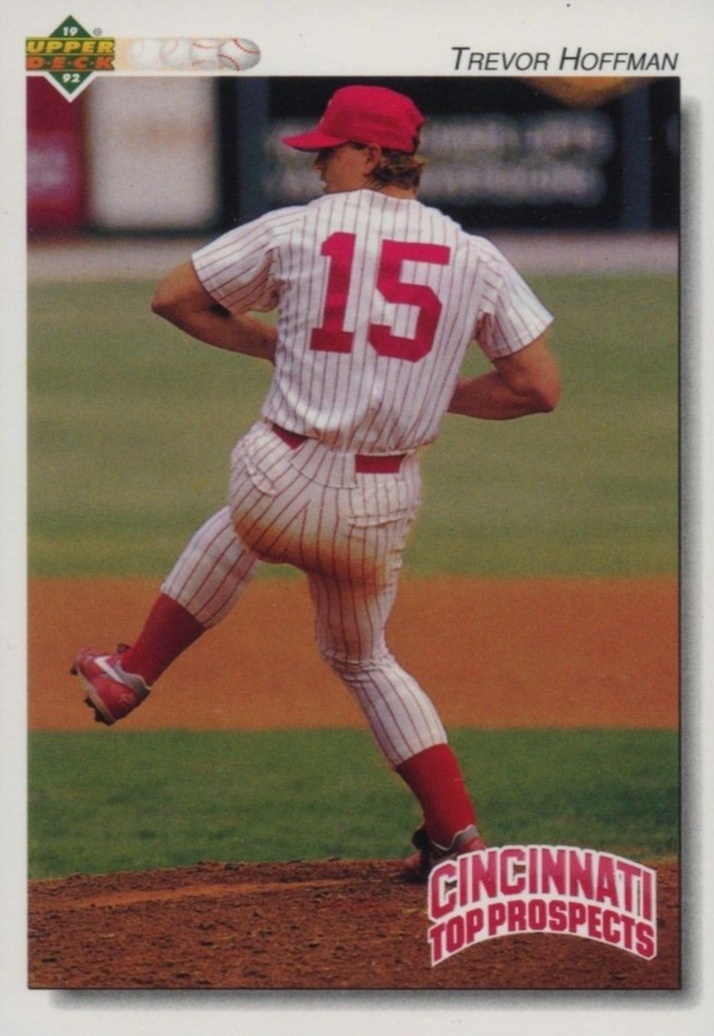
{"points": [[309, 508]]}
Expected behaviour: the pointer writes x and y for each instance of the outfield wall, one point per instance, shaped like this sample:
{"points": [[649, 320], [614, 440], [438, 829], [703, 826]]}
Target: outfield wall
{"points": [[179, 155]]}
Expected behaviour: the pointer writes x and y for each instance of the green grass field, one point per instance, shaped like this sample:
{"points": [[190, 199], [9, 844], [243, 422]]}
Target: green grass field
{"points": [[131, 425], [103, 801], [130, 429]]}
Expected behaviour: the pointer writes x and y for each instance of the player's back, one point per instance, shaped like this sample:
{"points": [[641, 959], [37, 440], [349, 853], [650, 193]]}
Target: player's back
{"points": [[379, 297]]}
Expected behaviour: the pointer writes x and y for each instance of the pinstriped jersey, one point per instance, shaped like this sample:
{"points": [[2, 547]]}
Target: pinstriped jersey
{"points": [[378, 299]]}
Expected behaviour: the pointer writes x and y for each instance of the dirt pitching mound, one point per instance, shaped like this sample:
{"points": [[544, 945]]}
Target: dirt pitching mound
{"points": [[320, 925]]}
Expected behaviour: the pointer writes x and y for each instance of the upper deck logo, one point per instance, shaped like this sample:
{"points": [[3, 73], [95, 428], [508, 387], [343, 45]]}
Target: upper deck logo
{"points": [[70, 56]]}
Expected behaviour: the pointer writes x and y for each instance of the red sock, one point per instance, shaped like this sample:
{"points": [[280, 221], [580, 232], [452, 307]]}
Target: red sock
{"points": [[169, 629], [435, 778]]}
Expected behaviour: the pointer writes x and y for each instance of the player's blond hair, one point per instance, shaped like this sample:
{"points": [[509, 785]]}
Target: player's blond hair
{"points": [[399, 169]]}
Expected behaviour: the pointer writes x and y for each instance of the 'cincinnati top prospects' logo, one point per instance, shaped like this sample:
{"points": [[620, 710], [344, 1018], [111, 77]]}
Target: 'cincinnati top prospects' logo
{"points": [[539, 888], [69, 55]]}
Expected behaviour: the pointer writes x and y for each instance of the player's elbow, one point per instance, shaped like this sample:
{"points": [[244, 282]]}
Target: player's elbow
{"points": [[541, 384], [163, 302], [537, 394], [532, 377], [546, 396], [179, 294], [173, 307]]}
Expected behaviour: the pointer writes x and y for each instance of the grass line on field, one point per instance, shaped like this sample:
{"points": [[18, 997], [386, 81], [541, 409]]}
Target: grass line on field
{"points": [[110, 801]]}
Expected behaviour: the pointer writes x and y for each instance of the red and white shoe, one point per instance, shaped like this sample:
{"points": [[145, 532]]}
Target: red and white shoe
{"points": [[419, 865], [111, 692]]}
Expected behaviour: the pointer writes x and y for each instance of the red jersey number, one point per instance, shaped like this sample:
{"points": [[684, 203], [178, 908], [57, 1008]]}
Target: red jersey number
{"points": [[331, 336]]}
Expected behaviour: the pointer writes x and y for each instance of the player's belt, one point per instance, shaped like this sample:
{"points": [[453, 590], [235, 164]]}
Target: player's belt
{"points": [[365, 463]]}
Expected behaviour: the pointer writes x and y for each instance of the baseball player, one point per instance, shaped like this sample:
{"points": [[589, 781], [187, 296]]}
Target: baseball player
{"points": [[378, 297]]}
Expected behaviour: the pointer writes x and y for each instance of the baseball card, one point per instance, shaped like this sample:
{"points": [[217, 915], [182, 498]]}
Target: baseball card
{"points": [[355, 507]]}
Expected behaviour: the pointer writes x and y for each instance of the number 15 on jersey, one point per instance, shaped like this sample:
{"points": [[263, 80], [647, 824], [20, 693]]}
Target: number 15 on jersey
{"points": [[331, 335]]}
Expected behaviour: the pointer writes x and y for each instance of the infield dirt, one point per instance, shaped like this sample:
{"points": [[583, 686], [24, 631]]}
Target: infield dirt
{"points": [[494, 653]]}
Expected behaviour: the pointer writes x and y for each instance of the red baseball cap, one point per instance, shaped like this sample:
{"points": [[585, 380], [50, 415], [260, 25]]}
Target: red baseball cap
{"points": [[364, 115]]}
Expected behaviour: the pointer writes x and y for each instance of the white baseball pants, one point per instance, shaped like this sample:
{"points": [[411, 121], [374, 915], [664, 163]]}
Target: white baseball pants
{"points": [[308, 507]]}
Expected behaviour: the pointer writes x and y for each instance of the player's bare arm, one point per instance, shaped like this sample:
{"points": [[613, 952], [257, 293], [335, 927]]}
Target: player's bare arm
{"points": [[181, 299], [527, 382]]}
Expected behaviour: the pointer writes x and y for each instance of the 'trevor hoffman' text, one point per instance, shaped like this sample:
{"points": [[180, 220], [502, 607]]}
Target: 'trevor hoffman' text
{"points": [[571, 59]]}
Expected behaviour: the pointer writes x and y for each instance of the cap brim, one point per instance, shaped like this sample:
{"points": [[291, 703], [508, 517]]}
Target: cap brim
{"points": [[315, 140]]}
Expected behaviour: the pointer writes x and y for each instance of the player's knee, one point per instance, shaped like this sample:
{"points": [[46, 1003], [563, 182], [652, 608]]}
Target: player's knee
{"points": [[348, 667], [337, 663]]}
